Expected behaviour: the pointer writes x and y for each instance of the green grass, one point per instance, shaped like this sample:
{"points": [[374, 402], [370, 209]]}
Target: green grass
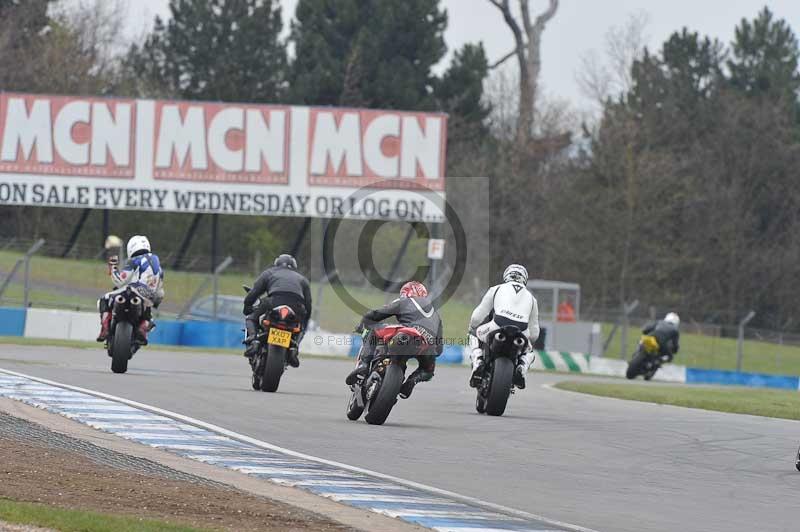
{"points": [[91, 276], [783, 404], [80, 521], [703, 351]]}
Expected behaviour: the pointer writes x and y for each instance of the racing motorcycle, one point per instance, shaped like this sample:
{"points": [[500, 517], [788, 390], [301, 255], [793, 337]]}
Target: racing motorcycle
{"points": [[278, 334], [647, 359], [376, 393], [126, 314], [503, 349], [797, 463]]}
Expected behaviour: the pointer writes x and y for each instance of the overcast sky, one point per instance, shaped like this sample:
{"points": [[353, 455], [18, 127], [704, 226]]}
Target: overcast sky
{"points": [[579, 26]]}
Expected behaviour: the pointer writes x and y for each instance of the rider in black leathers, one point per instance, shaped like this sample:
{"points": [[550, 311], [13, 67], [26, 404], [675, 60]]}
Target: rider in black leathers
{"points": [[280, 284], [412, 309], [666, 334]]}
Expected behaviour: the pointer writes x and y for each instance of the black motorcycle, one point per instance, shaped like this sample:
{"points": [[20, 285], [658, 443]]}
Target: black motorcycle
{"points": [[647, 359], [797, 463], [500, 354], [127, 310], [278, 334]]}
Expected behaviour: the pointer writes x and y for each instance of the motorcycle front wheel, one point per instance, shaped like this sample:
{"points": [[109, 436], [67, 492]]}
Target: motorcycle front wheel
{"points": [[636, 365], [354, 411], [480, 403]]}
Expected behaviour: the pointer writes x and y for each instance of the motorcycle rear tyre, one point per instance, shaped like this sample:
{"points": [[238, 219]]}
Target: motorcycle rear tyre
{"points": [[273, 368], [500, 387], [386, 398], [121, 347]]}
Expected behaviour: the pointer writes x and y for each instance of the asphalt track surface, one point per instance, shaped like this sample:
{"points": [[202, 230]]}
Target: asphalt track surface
{"points": [[600, 463]]}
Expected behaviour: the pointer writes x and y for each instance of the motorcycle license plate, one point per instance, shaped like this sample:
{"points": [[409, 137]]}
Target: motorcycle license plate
{"points": [[279, 337]]}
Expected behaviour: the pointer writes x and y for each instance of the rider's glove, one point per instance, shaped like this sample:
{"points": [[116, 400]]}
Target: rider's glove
{"points": [[113, 260]]}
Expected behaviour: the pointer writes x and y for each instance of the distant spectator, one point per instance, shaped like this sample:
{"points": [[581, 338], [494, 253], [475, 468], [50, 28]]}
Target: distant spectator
{"points": [[566, 312]]}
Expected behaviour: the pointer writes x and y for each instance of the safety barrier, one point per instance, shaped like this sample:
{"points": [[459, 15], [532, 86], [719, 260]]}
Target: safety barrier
{"points": [[70, 325]]}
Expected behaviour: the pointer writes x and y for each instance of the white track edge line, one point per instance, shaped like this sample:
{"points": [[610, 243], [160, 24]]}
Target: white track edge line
{"points": [[269, 446]]}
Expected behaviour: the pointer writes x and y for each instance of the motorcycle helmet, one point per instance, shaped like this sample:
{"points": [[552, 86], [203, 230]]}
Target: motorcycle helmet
{"points": [[287, 261], [413, 289], [673, 318], [516, 273], [138, 245]]}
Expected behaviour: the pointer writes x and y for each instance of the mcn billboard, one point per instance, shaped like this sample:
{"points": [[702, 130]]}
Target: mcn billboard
{"points": [[227, 158]]}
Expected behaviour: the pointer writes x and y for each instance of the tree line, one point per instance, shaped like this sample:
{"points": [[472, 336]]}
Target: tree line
{"points": [[680, 192]]}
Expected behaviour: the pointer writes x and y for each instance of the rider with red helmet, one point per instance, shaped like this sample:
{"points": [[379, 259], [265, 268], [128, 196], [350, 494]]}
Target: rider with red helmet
{"points": [[412, 309]]}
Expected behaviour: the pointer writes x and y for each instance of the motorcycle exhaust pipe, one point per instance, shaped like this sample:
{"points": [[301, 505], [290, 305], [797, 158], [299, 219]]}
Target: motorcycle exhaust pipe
{"points": [[500, 337], [519, 341], [119, 299], [135, 301]]}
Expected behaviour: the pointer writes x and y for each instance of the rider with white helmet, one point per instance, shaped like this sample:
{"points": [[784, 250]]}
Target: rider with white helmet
{"points": [[509, 303], [667, 335], [143, 272]]}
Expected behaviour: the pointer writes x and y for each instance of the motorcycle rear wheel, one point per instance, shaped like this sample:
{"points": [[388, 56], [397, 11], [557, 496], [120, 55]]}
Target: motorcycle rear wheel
{"points": [[386, 398], [500, 386], [273, 368], [121, 347]]}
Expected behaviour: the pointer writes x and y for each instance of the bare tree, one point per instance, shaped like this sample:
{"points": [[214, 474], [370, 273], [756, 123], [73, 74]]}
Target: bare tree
{"points": [[527, 39], [601, 78]]}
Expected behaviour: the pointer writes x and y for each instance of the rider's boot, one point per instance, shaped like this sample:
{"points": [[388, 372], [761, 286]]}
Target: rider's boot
{"points": [[523, 363], [519, 376], [478, 366], [141, 331], [105, 325], [360, 370], [250, 339], [252, 349], [419, 375], [292, 358]]}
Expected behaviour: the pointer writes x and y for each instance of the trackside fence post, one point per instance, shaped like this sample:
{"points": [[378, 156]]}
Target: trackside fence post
{"points": [[26, 262], [740, 340], [627, 308]]}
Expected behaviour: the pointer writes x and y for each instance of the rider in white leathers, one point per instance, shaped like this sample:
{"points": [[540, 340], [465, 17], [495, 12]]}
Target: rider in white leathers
{"points": [[509, 303]]}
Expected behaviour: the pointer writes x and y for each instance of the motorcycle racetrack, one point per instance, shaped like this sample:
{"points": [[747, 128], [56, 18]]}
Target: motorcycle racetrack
{"points": [[603, 464]]}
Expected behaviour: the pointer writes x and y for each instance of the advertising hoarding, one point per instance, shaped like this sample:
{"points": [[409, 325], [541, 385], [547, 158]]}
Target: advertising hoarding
{"points": [[227, 158]]}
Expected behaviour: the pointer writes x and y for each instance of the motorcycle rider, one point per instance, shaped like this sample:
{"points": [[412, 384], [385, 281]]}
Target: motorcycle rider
{"points": [[144, 274], [412, 309], [509, 303], [666, 335], [281, 284]]}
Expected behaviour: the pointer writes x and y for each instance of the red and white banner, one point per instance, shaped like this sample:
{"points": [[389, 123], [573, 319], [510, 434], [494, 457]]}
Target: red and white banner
{"points": [[214, 157]]}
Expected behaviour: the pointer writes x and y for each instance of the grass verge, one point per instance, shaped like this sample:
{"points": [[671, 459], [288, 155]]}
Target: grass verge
{"points": [[784, 404], [23, 513]]}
